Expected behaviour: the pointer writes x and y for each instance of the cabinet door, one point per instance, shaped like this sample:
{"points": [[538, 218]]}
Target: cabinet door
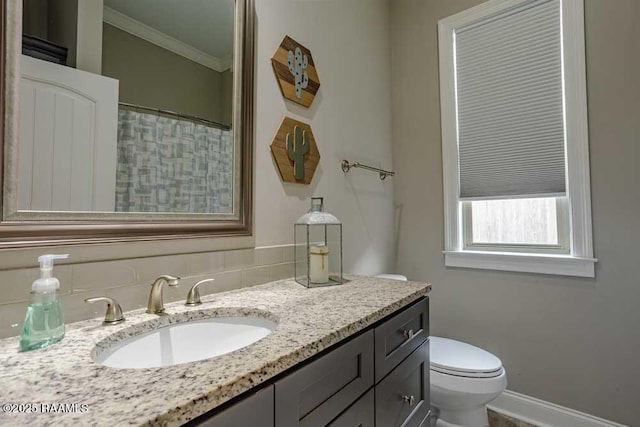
{"points": [[317, 393], [69, 129], [255, 410], [399, 336], [402, 398], [360, 414]]}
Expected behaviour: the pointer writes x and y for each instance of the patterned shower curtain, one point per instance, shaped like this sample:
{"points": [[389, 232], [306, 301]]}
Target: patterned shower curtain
{"points": [[172, 165]]}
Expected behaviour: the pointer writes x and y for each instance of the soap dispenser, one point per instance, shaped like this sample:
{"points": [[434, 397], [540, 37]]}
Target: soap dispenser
{"points": [[43, 323]]}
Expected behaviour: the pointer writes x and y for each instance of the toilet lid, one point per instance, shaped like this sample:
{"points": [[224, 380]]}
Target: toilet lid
{"points": [[462, 359]]}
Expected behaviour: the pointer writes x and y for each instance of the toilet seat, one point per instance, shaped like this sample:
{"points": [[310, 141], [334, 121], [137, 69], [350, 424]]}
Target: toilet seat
{"points": [[445, 371], [460, 359]]}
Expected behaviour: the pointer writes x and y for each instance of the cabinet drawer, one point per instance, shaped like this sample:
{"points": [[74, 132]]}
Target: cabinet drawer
{"points": [[402, 398], [399, 336], [255, 410], [361, 413], [315, 394]]}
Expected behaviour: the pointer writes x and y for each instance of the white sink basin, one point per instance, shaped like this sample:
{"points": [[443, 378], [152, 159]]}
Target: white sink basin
{"points": [[186, 342]]}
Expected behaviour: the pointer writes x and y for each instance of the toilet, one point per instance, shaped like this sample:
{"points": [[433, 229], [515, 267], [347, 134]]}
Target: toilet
{"points": [[464, 378]]}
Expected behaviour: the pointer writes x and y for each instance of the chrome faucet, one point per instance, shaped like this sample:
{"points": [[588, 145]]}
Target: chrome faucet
{"points": [[156, 305]]}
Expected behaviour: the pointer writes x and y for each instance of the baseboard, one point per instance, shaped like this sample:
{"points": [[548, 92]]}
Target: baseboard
{"points": [[545, 414]]}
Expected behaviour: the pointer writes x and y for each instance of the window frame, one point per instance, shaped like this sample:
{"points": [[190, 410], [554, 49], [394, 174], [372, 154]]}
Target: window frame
{"points": [[563, 247], [579, 260]]}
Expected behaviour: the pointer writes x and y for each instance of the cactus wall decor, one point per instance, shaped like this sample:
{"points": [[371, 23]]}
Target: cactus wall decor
{"points": [[295, 152], [298, 62], [297, 147], [295, 72]]}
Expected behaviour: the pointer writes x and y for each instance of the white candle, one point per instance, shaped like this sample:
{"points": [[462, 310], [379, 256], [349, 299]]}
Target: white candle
{"points": [[319, 264]]}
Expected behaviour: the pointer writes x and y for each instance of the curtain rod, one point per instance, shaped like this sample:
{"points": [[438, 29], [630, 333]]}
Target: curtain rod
{"points": [[195, 119]]}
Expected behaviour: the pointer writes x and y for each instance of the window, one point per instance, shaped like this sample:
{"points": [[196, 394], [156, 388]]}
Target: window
{"points": [[514, 137], [519, 225]]}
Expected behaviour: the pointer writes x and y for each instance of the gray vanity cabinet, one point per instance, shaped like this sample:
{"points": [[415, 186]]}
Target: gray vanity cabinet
{"points": [[380, 378], [399, 336], [360, 414], [254, 410], [402, 398], [314, 395]]}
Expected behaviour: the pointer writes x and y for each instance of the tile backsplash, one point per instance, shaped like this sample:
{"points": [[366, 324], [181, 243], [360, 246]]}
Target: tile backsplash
{"points": [[128, 280]]}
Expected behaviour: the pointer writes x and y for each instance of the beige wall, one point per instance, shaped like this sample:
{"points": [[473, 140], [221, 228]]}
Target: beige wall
{"points": [[574, 342], [89, 35], [226, 113], [351, 119], [155, 77]]}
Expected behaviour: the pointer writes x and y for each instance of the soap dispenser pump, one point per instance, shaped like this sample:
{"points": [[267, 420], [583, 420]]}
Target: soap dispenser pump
{"points": [[43, 323]]}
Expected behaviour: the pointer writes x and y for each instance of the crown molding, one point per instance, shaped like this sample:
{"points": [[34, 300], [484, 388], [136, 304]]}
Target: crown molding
{"points": [[145, 32]]}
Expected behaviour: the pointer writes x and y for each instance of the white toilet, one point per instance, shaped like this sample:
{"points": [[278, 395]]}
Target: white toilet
{"points": [[464, 378]]}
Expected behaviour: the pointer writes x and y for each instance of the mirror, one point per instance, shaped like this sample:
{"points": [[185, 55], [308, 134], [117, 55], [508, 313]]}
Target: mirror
{"points": [[122, 112]]}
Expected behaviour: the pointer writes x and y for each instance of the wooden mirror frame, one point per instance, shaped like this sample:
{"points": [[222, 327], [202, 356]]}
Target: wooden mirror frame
{"points": [[19, 234]]}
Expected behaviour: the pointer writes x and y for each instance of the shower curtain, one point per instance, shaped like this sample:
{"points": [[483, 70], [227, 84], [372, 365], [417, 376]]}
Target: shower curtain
{"points": [[172, 165]]}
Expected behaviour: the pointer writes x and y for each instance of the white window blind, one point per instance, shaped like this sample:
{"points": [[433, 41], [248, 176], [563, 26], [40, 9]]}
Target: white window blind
{"points": [[509, 96]]}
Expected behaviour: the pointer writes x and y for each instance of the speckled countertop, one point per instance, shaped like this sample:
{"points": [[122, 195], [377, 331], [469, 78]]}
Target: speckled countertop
{"points": [[309, 320]]}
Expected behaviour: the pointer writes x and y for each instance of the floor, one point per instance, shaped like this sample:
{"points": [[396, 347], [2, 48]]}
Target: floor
{"points": [[497, 419]]}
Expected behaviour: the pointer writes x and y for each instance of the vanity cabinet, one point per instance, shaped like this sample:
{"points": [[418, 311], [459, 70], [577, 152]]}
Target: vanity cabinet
{"points": [[380, 378], [398, 337], [402, 368], [360, 414], [254, 410], [316, 393], [402, 398]]}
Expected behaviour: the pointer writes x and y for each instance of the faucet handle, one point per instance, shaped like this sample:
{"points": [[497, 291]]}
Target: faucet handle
{"points": [[113, 316], [193, 298]]}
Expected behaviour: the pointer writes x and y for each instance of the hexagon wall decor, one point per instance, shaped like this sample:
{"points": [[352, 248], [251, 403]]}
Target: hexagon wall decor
{"points": [[295, 151], [295, 72]]}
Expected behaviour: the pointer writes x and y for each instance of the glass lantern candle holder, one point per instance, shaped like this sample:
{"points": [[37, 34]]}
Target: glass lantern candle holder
{"points": [[318, 247]]}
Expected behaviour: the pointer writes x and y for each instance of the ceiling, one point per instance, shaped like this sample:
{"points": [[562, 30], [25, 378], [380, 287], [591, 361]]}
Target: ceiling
{"points": [[206, 25]]}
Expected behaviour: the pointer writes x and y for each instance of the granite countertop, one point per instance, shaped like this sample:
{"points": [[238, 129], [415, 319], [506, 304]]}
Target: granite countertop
{"points": [[309, 320]]}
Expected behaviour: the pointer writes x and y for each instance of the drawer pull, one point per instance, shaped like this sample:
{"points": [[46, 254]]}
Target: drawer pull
{"points": [[409, 399], [408, 333]]}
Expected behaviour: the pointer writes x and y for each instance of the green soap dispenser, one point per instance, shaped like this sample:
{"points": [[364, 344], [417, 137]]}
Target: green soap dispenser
{"points": [[43, 323]]}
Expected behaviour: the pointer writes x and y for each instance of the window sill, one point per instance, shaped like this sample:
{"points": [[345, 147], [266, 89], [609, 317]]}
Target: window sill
{"points": [[562, 265]]}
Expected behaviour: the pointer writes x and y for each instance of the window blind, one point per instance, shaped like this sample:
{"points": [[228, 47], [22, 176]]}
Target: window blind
{"points": [[510, 104]]}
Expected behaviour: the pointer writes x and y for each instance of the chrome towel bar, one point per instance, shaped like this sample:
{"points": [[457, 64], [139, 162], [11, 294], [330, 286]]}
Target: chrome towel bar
{"points": [[347, 165]]}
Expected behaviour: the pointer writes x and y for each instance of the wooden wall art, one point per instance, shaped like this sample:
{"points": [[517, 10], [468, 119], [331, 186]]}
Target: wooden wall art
{"points": [[295, 72], [295, 151]]}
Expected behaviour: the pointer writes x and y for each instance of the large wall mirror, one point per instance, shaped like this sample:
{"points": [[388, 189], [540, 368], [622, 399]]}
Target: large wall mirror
{"points": [[126, 119]]}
